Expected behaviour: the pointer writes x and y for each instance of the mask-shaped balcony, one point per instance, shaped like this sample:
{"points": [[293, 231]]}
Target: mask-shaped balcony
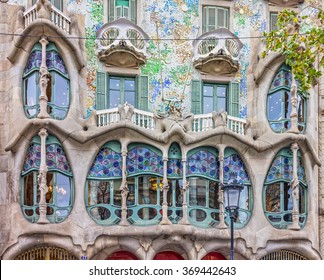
{"points": [[122, 43], [286, 3], [216, 52]]}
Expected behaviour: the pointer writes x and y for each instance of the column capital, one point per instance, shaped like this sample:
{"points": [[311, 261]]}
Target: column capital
{"points": [[43, 132], [43, 41]]}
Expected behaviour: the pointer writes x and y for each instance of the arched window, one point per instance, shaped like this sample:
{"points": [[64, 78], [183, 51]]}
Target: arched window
{"points": [[279, 103], [58, 87], [122, 256], [102, 194], [168, 255], [144, 167], [234, 169], [203, 177], [59, 197], [175, 182], [46, 253], [212, 256], [277, 192]]}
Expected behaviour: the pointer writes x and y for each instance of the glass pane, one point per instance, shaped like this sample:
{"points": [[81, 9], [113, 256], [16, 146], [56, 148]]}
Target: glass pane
{"points": [[300, 110], [221, 98], [29, 189], [274, 106], [115, 184], [213, 195], [114, 98], [98, 192], [147, 189], [288, 201], [208, 105], [147, 213], [131, 191], [245, 198], [31, 93], [273, 198], [129, 85], [197, 192], [50, 184], [208, 91], [198, 215], [63, 190], [130, 97], [302, 200], [100, 213], [287, 105], [211, 18], [114, 84], [61, 91]]}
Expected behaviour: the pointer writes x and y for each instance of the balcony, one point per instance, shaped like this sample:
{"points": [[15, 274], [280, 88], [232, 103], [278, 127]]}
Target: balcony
{"points": [[216, 52], [286, 3], [54, 15], [122, 43], [146, 120]]}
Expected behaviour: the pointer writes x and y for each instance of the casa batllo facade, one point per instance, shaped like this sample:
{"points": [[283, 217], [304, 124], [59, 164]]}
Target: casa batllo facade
{"points": [[120, 121]]}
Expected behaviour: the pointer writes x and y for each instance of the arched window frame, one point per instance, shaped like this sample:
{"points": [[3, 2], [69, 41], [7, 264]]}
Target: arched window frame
{"points": [[202, 204], [56, 172], [58, 72], [282, 218], [281, 86], [102, 191], [144, 205], [237, 167]]}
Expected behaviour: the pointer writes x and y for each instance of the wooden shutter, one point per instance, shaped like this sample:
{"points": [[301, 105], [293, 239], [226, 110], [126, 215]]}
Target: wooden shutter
{"points": [[211, 18], [119, 12], [273, 21], [125, 12], [111, 10], [196, 97], [234, 97], [132, 10], [142, 92], [101, 91]]}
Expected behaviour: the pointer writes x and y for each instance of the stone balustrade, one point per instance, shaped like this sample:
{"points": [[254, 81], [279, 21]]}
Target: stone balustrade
{"points": [[146, 120]]}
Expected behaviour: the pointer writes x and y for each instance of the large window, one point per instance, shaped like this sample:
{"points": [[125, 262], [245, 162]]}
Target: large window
{"points": [[122, 8], [214, 17], [273, 21], [277, 193], [279, 103], [208, 97], [58, 86], [59, 197], [113, 91]]}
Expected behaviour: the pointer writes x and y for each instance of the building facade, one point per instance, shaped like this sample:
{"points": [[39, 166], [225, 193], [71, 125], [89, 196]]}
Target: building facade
{"points": [[121, 120]]}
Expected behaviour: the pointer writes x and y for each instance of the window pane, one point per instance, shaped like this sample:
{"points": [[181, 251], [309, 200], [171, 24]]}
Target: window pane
{"points": [[208, 90], [115, 184], [208, 105], [31, 93], [197, 192], [131, 191], [114, 84], [302, 200], [129, 85], [114, 98], [221, 98], [273, 198], [61, 91], [29, 189], [245, 199], [288, 201], [287, 105], [63, 190], [147, 189], [50, 184], [300, 110], [274, 106], [213, 195], [130, 97]]}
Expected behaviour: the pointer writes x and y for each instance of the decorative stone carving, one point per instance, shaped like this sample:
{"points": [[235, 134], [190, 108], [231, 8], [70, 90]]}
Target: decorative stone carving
{"points": [[124, 193], [286, 3], [294, 103], [219, 119], [126, 111], [44, 8], [145, 243]]}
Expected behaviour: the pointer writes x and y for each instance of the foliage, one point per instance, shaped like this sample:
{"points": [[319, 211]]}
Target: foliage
{"points": [[301, 49]]}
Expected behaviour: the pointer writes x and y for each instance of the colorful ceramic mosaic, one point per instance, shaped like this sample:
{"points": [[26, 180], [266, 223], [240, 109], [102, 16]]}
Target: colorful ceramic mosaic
{"points": [[234, 170], [203, 163], [107, 164], [174, 168], [282, 79], [143, 160]]}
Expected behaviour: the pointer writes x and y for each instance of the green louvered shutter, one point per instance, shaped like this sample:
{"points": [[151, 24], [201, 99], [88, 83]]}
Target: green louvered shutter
{"points": [[234, 97], [142, 86], [273, 21], [132, 10], [196, 97], [111, 10], [101, 92]]}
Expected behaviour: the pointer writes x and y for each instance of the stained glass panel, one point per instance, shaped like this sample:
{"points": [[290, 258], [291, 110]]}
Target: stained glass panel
{"points": [[55, 61], [233, 164], [107, 164], [203, 163], [34, 61], [174, 168], [143, 160], [56, 159]]}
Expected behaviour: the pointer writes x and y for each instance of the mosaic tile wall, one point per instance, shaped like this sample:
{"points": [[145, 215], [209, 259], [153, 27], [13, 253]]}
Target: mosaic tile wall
{"points": [[170, 64]]}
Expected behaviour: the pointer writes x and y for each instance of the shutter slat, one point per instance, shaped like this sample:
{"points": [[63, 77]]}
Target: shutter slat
{"points": [[132, 10], [234, 97], [111, 10], [273, 21], [101, 91], [142, 93], [196, 97]]}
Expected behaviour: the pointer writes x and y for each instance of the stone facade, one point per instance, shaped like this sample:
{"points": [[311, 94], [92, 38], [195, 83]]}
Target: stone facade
{"points": [[167, 29]]}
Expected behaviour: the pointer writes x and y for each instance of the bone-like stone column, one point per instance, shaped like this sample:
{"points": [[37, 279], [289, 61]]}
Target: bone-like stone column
{"points": [[165, 220], [295, 190], [221, 224], [43, 82], [184, 220], [124, 192], [294, 102], [41, 179]]}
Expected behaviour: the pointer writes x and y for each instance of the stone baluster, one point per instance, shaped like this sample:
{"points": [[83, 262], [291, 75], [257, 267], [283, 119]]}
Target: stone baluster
{"points": [[43, 82], [124, 192], [184, 220], [41, 179], [221, 224], [165, 220], [294, 184]]}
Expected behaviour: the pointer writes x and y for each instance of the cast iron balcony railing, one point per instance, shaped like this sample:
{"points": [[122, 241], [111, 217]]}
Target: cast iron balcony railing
{"points": [[216, 52], [122, 43]]}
